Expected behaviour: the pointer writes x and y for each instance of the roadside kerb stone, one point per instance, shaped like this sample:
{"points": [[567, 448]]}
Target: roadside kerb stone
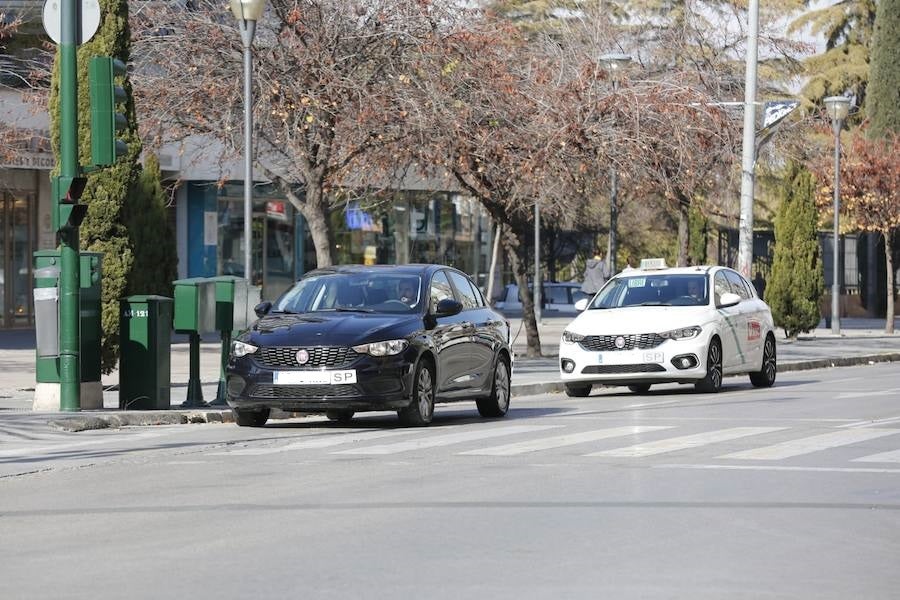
{"points": [[224, 415]]}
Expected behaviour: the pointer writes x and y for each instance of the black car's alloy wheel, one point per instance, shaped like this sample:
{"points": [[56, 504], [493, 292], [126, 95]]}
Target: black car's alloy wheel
{"points": [[251, 418], [712, 383], [497, 403], [421, 410], [765, 377]]}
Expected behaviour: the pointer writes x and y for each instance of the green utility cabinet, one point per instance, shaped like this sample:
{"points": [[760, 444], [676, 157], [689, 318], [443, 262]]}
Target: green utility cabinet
{"points": [[46, 278], [145, 368], [195, 305], [235, 301]]}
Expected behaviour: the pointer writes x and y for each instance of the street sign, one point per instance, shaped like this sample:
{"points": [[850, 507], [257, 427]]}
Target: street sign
{"points": [[90, 19]]}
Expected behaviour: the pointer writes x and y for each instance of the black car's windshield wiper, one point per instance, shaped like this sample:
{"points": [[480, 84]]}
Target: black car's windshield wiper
{"points": [[347, 309], [283, 312]]}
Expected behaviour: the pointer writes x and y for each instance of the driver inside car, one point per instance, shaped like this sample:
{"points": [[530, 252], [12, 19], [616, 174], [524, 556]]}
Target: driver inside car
{"points": [[408, 293]]}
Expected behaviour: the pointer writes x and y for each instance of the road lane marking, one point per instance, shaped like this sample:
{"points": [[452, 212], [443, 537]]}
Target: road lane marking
{"points": [[30, 452], [561, 440], [322, 441], [780, 468], [645, 404], [685, 442], [884, 457], [447, 440], [868, 393], [809, 445], [869, 422]]}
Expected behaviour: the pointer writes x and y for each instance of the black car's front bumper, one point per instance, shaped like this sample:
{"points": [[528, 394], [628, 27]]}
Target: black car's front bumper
{"points": [[382, 383]]}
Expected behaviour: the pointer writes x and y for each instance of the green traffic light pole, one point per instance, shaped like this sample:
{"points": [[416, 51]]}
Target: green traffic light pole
{"points": [[69, 286]]}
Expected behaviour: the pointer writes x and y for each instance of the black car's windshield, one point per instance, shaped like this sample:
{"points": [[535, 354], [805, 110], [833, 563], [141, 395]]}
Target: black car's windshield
{"points": [[683, 289], [366, 292]]}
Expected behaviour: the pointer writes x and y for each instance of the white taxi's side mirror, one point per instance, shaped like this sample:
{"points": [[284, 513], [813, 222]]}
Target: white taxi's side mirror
{"points": [[728, 299], [581, 304]]}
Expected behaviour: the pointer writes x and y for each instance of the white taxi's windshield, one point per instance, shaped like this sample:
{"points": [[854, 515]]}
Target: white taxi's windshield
{"points": [[685, 289]]}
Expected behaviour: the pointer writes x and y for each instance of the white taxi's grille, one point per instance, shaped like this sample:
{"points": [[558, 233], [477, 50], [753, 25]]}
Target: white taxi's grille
{"points": [[605, 343]]}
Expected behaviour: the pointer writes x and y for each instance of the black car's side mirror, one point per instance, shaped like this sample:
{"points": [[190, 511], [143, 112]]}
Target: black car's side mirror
{"points": [[447, 308], [262, 309]]}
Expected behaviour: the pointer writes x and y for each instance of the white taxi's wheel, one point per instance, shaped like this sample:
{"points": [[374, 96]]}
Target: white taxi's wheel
{"points": [[765, 377], [712, 383]]}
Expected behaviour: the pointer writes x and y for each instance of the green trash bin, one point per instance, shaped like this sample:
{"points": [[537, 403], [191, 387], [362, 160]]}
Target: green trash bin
{"points": [[145, 366], [46, 279]]}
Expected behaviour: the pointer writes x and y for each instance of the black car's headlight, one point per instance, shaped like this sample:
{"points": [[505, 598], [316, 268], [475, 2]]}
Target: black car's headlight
{"points": [[685, 333], [571, 337], [386, 348], [240, 349]]}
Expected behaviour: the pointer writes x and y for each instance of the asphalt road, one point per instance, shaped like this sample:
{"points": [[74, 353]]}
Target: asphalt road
{"points": [[792, 492]]}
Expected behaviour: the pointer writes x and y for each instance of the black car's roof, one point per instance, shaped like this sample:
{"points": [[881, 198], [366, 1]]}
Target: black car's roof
{"points": [[419, 269]]}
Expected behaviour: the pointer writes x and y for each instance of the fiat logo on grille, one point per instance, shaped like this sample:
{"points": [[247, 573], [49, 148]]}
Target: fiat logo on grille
{"points": [[302, 356], [620, 342]]}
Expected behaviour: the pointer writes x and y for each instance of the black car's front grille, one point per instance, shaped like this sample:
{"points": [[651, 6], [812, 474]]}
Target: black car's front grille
{"points": [[605, 343], [304, 392], [319, 356], [614, 369]]}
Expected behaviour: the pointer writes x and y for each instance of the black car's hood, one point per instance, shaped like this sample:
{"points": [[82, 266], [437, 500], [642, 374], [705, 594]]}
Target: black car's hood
{"points": [[330, 329]]}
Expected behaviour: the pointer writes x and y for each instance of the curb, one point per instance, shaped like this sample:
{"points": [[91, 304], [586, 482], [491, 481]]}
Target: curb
{"points": [[224, 415]]}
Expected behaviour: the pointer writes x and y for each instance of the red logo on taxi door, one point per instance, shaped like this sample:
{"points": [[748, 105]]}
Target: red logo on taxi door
{"points": [[754, 330]]}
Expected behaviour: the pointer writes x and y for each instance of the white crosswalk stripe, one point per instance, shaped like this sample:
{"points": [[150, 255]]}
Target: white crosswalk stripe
{"points": [[561, 440], [684, 442], [323, 441], [883, 457], [809, 445], [447, 440]]}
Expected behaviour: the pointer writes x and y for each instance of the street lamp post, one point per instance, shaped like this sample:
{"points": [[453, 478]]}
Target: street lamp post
{"points": [[838, 108], [615, 64], [248, 12]]}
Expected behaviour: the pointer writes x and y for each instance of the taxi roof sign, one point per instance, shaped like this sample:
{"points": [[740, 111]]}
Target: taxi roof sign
{"points": [[649, 264]]}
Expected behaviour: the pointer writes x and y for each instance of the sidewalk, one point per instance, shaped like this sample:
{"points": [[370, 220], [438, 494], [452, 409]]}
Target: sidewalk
{"points": [[861, 341]]}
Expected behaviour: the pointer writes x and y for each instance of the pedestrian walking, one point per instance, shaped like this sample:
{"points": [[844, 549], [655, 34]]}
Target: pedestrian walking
{"points": [[596, 272]]}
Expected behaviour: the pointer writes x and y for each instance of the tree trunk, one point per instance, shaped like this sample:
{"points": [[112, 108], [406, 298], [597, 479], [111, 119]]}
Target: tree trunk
{"points": [[513, 243], [889, 263], [317, 221], [684, 232]]}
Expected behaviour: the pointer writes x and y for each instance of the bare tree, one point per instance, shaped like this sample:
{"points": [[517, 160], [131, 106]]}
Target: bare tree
{"points": [[324, 88]]}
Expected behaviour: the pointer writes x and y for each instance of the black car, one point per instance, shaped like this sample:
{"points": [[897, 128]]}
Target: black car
{"points": [[359, 338]]}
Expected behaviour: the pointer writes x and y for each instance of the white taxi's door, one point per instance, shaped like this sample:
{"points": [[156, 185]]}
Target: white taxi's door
{"points": [[732, 325], [751, 311]]}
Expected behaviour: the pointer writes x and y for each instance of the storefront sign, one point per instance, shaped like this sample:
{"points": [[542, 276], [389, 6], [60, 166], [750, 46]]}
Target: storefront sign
{"points": [[29, 160]]}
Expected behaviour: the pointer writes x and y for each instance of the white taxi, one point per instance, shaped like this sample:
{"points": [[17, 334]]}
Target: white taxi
{"points": [[657, 324]]}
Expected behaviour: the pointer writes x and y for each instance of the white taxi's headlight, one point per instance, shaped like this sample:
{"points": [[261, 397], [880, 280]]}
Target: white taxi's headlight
{"points": [[387, 348], [570, 337], [685, 333], [239, 349]]}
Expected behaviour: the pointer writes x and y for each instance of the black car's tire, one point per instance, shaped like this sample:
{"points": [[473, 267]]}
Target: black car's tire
{"points": [[497, 403], [421, 410], [339, 416], [765, 377], [251, 418], [578, 391], [712, 383], [640, 388]]}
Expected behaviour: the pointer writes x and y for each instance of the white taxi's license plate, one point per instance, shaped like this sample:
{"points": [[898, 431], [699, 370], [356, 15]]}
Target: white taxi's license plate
{"points": [[627, 358], [313, 377]]}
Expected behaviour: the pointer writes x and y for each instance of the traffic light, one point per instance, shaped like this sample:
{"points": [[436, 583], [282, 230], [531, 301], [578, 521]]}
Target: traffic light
{"points": [[105, 120], [66, 191]]}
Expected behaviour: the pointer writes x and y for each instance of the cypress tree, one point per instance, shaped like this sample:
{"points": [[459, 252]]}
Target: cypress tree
{"points": [[883, 102], [797, 280], [113, 192]]}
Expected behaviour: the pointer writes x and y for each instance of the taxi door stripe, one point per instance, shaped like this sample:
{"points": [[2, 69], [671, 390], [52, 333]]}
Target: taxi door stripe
{"points": [[685, 442], [812, 444], [562, 440], [447, 440]]}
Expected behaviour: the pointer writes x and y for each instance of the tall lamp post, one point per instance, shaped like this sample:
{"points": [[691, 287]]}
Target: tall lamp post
{"points": [[615, 64], [838, 108], [248, 12]]}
